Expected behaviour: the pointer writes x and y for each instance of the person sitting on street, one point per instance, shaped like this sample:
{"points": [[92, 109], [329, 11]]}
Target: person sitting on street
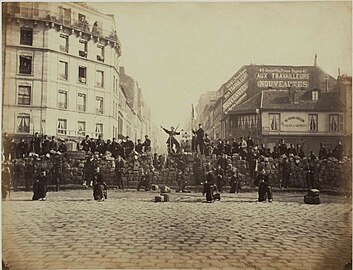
{"points": [[99, 186], [263, 182], [209, 187], [40, 186]]}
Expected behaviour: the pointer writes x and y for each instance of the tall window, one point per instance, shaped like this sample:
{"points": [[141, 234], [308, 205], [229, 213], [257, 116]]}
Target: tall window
{"points": [[313, 122], [26, 37], [64, 43], [23, 123], [246, 122], [83, 48], [63, 71], [25, 64], [274, 121], [99, 78], [81, 102], [82, 74], [81, 128], [336, 122], [99, 105], [100, 53], [24, 95], [114, 90], [120, 125], [315, 95], [62, 126], [62, 99], [99, 130]]}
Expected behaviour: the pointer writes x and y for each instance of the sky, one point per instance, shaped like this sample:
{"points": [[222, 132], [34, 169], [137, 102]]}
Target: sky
{"points": [[178, 51]]}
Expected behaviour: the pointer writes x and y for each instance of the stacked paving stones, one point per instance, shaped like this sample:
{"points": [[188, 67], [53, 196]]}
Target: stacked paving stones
{"points": [[331, 173]]}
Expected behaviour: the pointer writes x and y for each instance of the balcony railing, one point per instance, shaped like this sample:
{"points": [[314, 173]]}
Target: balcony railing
{"points": [[16, 11]]}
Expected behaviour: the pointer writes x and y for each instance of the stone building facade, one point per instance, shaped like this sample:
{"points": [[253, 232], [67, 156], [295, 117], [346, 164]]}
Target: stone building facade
{"points": [[61, 73]]}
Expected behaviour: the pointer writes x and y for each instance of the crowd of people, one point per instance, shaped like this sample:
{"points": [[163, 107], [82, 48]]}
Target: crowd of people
{"points": [[213, 177], [54, 149]]}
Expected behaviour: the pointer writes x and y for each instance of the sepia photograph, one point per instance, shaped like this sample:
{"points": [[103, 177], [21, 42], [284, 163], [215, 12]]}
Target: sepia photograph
{"points": [[176, 135]]}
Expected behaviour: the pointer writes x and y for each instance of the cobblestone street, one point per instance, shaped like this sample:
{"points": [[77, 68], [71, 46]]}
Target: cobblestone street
{"points": [[129, 230]]}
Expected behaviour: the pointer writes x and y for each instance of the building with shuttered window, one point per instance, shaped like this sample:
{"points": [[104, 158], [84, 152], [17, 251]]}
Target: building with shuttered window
{"points": [[61, 72]]}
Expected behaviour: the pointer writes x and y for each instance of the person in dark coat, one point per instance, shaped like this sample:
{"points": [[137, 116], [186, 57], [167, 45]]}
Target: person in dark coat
{"points": [[99, 186], [85, 144], [322, 152], [128, 146], [310, 171], [209, 187], [100, 145], [275, 153], [45, 145], [200, 141], [220, 178], [114, 148], [234, 182], [171, 142], [286, 171], [89, 170], [282, 147], [36, 144], [181, 181], [300, 151], [263, 182], [92, 145], [6, 177], [139, 146], [119, 169], [145, 181], [108, 146], [235, 147], [220, 148], [252, 159], [147, 145], [250, 143], [338, 151], [228, 148], [22, 149], [121, 150], [40, 186], [292, 150], [6, 146], [62, 147], [53, 144]]}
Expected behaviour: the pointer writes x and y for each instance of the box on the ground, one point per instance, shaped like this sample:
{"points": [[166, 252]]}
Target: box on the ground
{"points": [[312, 199]]}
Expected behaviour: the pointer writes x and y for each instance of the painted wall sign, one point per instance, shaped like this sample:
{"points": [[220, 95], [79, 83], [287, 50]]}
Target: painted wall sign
{"points": [[282, 78], [293, 122], [235, 82], [234, 99]]}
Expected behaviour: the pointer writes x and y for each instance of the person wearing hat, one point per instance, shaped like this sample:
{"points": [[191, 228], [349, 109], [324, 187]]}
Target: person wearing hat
{"points": [[85, 144], [57, 170], [29, 173], [139, 146], [53, 144], [171, 142], [263, 182], [36, 144], [22, 148], [234, 182], [89, 169], [128, 146], [220, 178], [199, 140], [40, 186], [147, 144]]}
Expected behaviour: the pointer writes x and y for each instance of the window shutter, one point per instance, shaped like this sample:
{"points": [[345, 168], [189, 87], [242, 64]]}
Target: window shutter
{"points": [[341, 122]]}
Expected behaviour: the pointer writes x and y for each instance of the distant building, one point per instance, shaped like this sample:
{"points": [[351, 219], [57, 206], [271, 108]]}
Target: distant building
{"points": [[305, 117]]}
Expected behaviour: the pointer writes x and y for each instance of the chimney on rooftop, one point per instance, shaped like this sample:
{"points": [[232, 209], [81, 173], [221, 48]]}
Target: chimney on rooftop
{"points": [[315, 61]]}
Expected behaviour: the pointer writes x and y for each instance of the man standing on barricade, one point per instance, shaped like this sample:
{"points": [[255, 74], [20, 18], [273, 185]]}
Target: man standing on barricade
{"points": [[200, 134], [171, 142], [147, 145]]}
